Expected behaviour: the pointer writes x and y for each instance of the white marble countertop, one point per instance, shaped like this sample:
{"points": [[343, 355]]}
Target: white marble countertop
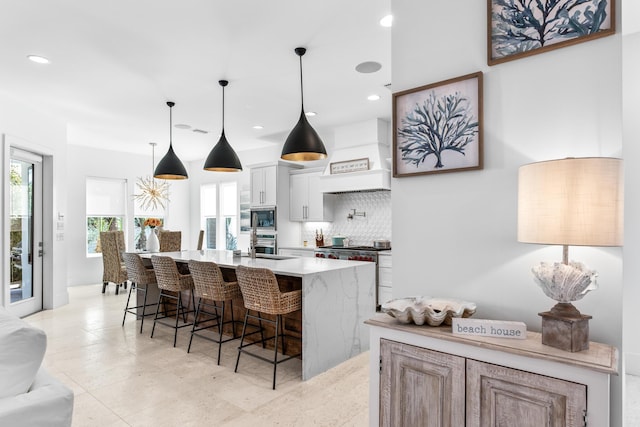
{"points": [[294, 266]]}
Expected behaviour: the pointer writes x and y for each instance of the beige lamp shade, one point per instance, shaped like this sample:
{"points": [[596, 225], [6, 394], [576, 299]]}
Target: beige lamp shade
{"points": [[573, 201]]}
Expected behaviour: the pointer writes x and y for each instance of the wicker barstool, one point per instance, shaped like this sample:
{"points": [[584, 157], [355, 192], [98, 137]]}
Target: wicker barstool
{"points": [[212, 292], [171, 284], [261, 294], [141, 277]]}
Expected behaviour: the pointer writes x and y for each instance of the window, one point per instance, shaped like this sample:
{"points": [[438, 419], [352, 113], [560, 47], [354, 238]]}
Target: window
{"points": [[229, 210], [221, 205], [208, 208], [105, 209]]}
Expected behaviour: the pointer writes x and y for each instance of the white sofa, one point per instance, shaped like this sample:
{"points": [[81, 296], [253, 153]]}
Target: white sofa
{"points": [[29, 395]]}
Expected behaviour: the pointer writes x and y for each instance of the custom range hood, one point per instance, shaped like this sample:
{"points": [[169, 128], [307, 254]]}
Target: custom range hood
{"points": [[359, 160]]}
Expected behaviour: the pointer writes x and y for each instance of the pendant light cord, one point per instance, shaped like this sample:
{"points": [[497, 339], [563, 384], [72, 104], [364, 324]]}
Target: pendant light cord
{"points": [[222, 109], [170, 126], [301, 89]]}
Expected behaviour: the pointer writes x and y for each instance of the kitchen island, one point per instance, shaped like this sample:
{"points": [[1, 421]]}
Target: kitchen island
{"points": [[337, 297]]}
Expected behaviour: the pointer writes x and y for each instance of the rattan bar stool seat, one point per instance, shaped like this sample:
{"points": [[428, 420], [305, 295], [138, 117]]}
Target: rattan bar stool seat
{"points": [[141, 277], [212, 293], [171, 284], [261, 293]]}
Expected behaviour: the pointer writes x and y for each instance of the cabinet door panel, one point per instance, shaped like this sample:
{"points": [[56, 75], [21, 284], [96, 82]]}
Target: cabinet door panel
{"points": [[297, 197], [499, 396], [315, 204], [257, 186], [270, 185], [420, 387]]}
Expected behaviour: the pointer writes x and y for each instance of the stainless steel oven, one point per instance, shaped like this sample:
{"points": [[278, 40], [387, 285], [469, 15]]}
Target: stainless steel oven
{"points": [[264, 218], [267, 243]]}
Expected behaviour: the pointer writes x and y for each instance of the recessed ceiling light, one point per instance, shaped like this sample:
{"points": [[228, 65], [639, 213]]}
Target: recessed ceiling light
{"points": [[368, 67], [310, 113], [373, 97], [257, 127], [200, 131], [182, 126], [387, 21], [38, 59]]}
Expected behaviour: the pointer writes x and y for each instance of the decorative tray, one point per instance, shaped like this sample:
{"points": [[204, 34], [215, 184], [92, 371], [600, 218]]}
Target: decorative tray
{"points": [[432, 311]]}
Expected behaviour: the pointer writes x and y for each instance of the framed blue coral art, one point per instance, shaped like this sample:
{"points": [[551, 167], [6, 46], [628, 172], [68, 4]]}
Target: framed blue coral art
{"points": [[438, 127], [519, 28]]}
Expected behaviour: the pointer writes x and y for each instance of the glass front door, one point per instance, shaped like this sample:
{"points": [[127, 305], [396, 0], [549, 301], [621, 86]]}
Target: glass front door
{"points": [[25, 233]]}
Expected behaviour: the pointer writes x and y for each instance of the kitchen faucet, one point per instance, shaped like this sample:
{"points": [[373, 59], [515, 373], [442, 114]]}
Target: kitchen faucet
{"points": [[355, 213]]}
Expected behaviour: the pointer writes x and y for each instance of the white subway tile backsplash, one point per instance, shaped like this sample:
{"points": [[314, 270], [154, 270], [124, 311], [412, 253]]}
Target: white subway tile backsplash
{"points": [[361, 230]]}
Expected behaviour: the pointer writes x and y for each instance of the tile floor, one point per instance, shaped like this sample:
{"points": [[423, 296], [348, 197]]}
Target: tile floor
{"points": [[123, 378]]}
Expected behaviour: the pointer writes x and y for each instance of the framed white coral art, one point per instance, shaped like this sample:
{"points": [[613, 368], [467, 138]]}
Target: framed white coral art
{"points": [[438, 127]]}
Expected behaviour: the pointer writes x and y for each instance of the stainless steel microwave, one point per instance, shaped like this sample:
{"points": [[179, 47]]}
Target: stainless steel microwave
{"points": [[264, 218]]}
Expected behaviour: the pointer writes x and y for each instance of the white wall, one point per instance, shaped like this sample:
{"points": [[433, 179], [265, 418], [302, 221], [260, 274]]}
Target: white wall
{"points": [[631, 108], [34, 131], [88, 162], [455, 233]]}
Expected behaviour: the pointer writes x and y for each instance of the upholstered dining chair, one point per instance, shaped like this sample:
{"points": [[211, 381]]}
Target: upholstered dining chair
{"points": [[141, 278], [171, 283], [113, 268], [212, 293], [261, 294], [170, 241]]}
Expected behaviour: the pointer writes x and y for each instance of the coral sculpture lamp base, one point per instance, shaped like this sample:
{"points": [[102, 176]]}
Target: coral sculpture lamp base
{"points": [[564, 327]]}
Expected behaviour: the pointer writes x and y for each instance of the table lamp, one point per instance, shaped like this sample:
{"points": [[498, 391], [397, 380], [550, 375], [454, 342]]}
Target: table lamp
{"points": [[569, 202]]}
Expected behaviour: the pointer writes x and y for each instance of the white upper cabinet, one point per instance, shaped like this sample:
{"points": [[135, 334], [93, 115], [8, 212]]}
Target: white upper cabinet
{"points": [[264, 182], [307, 202]]}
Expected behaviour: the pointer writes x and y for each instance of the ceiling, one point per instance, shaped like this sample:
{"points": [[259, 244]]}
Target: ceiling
{"points": [[115, 64]]}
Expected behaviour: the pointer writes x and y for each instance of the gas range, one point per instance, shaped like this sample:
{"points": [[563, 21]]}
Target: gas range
{"points": [[352, 253]]}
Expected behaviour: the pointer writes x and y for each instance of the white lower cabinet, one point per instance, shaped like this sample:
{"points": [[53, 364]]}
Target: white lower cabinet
{"points": [[426, 376], [385, 282]]}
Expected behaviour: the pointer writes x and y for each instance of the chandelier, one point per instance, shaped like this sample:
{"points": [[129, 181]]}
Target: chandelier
{"points": [[154, 193]]}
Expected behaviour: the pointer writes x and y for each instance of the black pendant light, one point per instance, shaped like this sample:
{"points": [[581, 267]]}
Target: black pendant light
{"points": [[170, 167], [303, 143], [222, 158]]}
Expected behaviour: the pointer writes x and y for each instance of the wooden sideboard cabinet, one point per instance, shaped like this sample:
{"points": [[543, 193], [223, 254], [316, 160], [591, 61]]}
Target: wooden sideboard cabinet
{"points": [[425, 376]]}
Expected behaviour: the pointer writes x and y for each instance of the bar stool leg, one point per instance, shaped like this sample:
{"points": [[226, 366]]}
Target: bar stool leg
{"points": [[157, 310], [275, 352], [178, 308], [284, 337], [126, 307], [195, 323], [233, 322], [262, 330], [144, 303], [244, 328], [220, 328]]}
